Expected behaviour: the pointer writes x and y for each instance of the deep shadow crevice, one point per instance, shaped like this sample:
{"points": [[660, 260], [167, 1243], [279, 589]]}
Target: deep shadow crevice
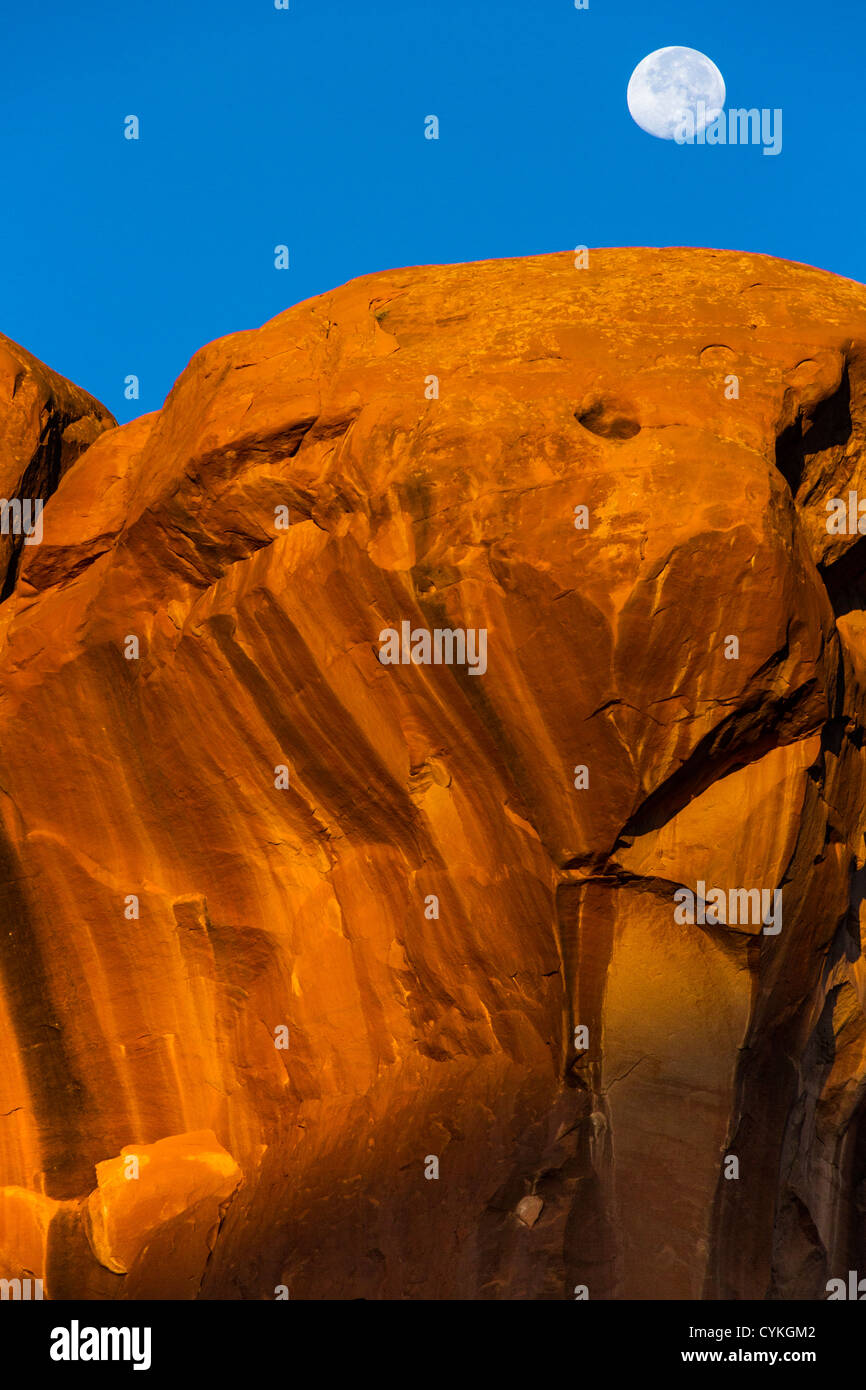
{"points": [[828, 427]]}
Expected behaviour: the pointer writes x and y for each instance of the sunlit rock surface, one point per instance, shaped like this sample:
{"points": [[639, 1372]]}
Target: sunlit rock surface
{"points": [[46, 423], [287, 1039]]}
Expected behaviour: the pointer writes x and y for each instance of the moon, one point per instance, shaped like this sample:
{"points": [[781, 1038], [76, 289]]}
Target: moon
{"points": [[669, 82]]}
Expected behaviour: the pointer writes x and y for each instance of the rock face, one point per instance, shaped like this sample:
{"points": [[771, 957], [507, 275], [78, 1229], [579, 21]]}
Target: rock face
{"points": [[316, 968], [46, 423]]}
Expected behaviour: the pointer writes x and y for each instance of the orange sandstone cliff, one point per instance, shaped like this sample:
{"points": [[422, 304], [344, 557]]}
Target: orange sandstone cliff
{"points": [[335, 978]]}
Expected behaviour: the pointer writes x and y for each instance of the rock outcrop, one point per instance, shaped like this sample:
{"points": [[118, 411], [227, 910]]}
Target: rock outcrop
{"points": [[340, 978], [46, 423]]}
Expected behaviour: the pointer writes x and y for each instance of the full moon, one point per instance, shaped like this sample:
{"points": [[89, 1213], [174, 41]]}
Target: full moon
{"points": [[668, 83]]}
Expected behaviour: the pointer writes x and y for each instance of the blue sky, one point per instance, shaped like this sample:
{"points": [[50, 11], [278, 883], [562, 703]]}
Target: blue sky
{"points": [[306, 127]]}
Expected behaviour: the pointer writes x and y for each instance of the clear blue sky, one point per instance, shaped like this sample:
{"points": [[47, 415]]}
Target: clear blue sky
{"points": [[306, 127]]}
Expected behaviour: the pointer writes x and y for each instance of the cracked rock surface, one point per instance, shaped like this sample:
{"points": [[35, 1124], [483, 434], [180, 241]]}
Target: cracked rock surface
{"points": [[703, 407]]}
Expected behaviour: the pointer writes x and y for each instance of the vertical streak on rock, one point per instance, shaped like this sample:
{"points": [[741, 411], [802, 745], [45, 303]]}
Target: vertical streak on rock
{"points": [[586, 923], [58, 1095]]}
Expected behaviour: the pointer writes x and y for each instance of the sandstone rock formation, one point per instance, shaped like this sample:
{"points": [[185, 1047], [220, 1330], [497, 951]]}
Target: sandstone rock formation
{"points": [[238, 1037], [46, 423]]}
